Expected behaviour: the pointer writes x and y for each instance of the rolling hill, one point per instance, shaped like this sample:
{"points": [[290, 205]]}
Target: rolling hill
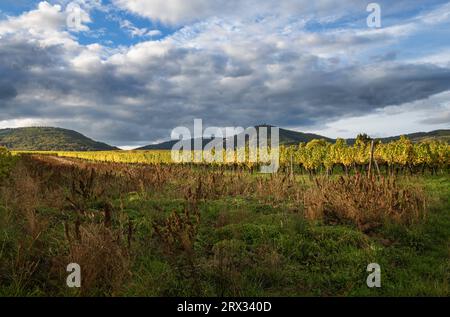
{"points": [[440, 135], [58, 139], [49, 139], [290, 137], [287, 137]]}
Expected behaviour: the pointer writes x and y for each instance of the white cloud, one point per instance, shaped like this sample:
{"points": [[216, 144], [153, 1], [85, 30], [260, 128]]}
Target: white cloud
{"points": [[132, 29], [48, 23], [441, 58], [19, 123], [137, 32], [154, 33], [439, 15], [432, 113], [182, 11], [76, 17], [227, 69], [46, 18]]}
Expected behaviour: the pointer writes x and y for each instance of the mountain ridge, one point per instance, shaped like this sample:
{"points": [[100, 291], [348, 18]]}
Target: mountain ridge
{"points": [[49, 139], [60, 139], [287, 137], [291, 137]]}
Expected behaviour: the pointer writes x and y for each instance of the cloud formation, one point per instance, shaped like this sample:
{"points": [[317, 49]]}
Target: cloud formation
{"points": [[223, 66], [180, 12]]}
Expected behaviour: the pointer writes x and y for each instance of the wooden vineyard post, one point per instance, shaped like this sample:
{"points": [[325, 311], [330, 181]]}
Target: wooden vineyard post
{"points": [[372, 159], [292, 167], [372, 145], [378, 168]]}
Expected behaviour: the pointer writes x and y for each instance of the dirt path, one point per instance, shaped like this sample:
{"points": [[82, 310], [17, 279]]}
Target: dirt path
{"points": [[55, 160]]}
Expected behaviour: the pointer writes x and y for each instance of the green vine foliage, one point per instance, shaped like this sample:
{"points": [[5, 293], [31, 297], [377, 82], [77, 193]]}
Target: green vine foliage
{"points": [[7, 161]]}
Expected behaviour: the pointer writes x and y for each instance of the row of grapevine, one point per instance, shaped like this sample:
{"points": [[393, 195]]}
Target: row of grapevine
{"points": [[313, 156], [400, 154], [135, 157]]}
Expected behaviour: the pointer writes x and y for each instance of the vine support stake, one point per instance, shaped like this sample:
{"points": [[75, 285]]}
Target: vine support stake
{"points": [[372, 146]]}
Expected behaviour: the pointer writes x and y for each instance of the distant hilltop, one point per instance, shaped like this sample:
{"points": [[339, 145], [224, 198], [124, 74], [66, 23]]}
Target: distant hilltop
{"points": [[49, 139], [58, 139], [290, 137]]}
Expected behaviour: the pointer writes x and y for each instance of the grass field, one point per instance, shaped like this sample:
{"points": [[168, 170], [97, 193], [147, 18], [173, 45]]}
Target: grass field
{"points": [[141, 230]]}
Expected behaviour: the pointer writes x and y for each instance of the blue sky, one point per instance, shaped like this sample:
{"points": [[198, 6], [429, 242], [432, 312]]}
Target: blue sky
{"points": [[105, 26], [131, 71]]}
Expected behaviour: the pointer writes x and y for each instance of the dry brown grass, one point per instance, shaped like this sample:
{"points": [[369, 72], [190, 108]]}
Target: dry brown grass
{"points": [[20, 195], [177, 236], [179, 231], [364, 202], [99, 236], [229, 259], [101, 251], [102, 255]]}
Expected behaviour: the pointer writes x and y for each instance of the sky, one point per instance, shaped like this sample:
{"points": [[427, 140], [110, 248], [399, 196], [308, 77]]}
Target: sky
{"points": [[127, 72]]}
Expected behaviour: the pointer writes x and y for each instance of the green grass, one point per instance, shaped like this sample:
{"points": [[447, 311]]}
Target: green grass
{"points": [[248, 247], [280, 254]]}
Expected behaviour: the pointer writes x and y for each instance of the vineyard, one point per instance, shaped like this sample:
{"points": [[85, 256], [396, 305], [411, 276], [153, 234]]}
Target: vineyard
{"points": [[318, 155], [153, 228]]}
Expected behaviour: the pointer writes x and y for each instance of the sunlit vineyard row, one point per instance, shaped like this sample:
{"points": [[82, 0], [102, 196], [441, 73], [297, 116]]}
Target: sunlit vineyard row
{"points": [[317, 155], [141, 157]]}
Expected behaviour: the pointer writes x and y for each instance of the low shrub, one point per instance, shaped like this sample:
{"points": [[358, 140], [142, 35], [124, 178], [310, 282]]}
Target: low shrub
{"points": [[366, 202], [7, 161]]}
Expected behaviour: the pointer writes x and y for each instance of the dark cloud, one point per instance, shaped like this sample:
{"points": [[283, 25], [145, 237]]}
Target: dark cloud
{"points": [[7, 91], [138, 94], [441, 118], [121, 105], [389, 56]]}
